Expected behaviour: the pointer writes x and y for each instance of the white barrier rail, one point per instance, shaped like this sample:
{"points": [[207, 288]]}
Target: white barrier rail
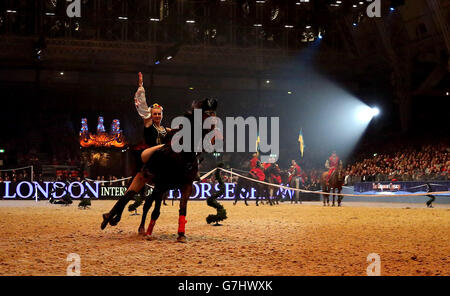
{"points": [[337, 194]]}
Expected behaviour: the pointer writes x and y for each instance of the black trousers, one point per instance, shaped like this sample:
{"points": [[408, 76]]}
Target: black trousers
{"points": [[432, 198]]}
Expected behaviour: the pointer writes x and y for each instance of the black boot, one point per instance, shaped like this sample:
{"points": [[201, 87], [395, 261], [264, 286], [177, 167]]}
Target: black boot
{"points": [[114, 216]]}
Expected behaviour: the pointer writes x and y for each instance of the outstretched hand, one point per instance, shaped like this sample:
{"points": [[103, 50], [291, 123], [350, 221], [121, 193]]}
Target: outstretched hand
{"points": [[141, 79]]}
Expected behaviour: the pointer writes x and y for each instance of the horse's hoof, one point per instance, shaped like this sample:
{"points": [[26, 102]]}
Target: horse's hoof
{"points": [[181, 239], [141, 230], [106, 218], [148, 237], [114, 221]]}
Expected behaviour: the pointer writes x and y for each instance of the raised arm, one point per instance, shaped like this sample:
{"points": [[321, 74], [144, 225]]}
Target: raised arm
{"points": [[141, 103]]}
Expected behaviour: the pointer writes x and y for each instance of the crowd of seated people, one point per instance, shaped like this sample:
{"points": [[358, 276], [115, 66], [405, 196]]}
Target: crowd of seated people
{"points": [[427, 162], [15, 176]]}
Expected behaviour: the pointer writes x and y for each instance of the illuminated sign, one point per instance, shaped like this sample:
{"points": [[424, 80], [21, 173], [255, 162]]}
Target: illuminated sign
{"points": [[384, 187], [102, 139], [76, 190], [56, 190]]}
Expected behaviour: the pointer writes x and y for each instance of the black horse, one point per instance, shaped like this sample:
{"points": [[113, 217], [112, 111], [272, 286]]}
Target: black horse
{"points": [[274, 175], [247, 185], [167, 170], [262, 191]]}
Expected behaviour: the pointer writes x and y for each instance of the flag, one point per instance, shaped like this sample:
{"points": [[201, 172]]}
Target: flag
{"points": [[257, 143], [300, 140]]}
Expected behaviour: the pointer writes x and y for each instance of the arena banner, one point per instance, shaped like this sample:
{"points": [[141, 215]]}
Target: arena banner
{"points": [[399, 187], [99, 190]]}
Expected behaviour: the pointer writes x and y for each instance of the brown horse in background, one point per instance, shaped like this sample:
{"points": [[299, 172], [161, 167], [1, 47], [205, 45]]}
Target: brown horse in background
{"points": [[335, 182]]}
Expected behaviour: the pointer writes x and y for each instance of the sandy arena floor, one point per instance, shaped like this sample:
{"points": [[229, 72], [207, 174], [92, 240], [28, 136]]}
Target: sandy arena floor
{"points": [[307, 239]]}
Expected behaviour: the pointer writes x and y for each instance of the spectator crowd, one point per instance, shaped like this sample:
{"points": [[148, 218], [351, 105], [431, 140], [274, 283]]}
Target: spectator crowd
{"points": [[427, 162]]}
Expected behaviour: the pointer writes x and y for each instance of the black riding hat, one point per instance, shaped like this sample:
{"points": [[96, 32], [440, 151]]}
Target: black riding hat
{"points": [[205, 105]]}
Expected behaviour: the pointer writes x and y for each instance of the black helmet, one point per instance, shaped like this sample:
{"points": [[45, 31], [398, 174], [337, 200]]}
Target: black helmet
{"points": [[205, 105]]}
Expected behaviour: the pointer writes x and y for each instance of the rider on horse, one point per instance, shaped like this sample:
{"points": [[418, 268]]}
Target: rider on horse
{"points": [[254, 161], [332, 163], [273, 171], [154, 136], [258, 172], [294, 171]]}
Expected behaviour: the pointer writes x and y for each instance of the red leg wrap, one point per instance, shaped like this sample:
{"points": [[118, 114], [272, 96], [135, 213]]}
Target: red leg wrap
{"points": [[150, 227], [181, 223]]}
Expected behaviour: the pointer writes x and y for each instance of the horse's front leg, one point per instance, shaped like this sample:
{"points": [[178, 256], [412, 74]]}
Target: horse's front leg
{"points": [[114, 216], [245, 195], [340, 197], [236, 195], [271, 198], [334, 196], [186, 191], [258, 190], [327, 196]]}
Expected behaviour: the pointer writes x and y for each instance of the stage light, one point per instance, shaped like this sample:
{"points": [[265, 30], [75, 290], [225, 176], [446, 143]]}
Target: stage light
{"points": [[154, 19], [157, 62], [61, 73], [191, 88], [355, 24], [391, 8], [267, 81], [447, 94], [169, 57], [364, 113], [190, 21], [375, 111], [2, 150], [289, 93]]}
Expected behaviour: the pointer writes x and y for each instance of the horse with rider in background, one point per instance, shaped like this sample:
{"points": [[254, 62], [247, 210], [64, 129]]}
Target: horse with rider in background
{"points": [[332, 180]]}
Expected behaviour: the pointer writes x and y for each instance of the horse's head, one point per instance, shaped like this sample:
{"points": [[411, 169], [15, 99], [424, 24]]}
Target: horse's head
{"points": [[340, 174], [208, 107], [208, 113]]}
